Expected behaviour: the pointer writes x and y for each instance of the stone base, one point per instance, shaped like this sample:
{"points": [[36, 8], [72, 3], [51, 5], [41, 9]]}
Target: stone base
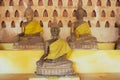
{"points": [[56, 78]]}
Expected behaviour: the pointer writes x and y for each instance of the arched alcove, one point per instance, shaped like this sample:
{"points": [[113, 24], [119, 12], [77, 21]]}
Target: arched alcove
{"points": [[2, 3], [89, 3], [103, 14], [69, 23], [41, 23], [50, 3], [45, 13], [12, 24], [36, 14], [16, 13], [40, 3], [55, 14], [21, 3], [11, 3], [98, 24], [60, 3], [99, 3], [107, 24], [7, 14], [93, 13], [3, 24], [65, 13], [49, 23], [70, 3], [60, 23]]}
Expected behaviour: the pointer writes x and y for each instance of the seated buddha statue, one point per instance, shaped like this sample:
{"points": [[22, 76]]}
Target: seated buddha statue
{"points": [[81, 36], [54, 62], [31, 35], [117, 45]]}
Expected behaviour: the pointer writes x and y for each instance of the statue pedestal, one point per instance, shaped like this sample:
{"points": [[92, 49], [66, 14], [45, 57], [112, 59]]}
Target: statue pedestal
{"points": [[55, 78]]}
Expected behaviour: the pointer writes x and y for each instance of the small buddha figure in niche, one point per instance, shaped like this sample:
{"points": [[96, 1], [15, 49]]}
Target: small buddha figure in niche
{"points": [[53, 62], [81, 36], [31, 35]]}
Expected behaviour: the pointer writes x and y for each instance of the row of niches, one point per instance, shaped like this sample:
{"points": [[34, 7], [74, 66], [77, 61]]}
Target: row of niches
{"points": [[60, 2], [60, 23], [65, 13]]}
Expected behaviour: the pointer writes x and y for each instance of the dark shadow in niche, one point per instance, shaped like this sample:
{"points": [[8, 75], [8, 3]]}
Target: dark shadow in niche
{"points": [[108, 3], [55, 14], [50, 3], [107, 24], [116, 25], [11, 3], [70, 23], [36, 14], [31, 2], [49, 23], [89, 23], [3, 24], [7, 14], [12, 24], [89, 3], [21, 23], [45, 13], [74, 13], [93, 13], [98, 24], [60, 24], [118, 3], [112, 14], [16, 13], [60, 3], [40, 3], [103, 14], [41, 23], [2, 3], [99, 3], [80, 2], [70, 3], [65, 13], [21, 3]]}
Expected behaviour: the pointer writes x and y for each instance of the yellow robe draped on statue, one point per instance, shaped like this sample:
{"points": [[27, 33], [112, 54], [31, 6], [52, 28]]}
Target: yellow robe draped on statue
{"points": [[58, 48], [82, 29], [32, 28]]}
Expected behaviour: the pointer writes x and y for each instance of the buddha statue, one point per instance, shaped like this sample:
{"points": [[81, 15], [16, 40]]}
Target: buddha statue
{"points": [[31, 35], [54, 61], [117, 45], [81, 36]]}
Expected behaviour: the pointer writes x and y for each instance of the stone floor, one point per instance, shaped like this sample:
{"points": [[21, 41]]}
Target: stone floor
{"points": [[103, 76]]}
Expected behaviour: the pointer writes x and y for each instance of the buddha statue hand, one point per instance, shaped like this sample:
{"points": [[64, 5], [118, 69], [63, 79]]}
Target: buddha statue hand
{"points": [[72, 37], [40, 62], [21, 34]]}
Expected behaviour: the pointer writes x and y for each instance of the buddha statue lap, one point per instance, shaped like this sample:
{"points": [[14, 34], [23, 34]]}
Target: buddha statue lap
{"points": [[54, 62], [81, 37], [31, 36]]}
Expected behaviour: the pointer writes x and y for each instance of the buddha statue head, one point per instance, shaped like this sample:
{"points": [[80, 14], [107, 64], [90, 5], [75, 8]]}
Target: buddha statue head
{"points": [[80, 13], [29, 13], [55, 30]]}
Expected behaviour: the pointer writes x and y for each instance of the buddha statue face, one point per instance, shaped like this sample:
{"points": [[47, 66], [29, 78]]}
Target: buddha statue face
{"points": [[80, 13], [55, 31], [29, 14]]}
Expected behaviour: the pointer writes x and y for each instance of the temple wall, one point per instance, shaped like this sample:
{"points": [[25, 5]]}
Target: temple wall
{"points": [[101, 15]]}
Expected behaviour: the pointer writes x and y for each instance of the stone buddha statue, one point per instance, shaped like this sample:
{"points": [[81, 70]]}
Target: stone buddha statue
{"points": [[54, 62], [81, 37], [31, 35], [117, 45]]}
